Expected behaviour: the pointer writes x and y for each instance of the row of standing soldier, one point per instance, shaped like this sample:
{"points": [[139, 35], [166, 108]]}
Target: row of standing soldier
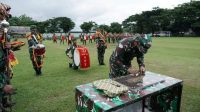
{"points": [[109, 38]]}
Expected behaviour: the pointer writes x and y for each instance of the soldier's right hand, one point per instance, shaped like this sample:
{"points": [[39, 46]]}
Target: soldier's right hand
{"points": [[8, 89]]}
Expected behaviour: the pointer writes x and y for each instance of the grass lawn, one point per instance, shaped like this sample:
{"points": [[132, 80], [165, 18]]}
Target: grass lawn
{"points": [[54, 90]]}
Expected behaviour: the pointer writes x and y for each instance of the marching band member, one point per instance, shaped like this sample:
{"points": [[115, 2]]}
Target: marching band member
{"points": [[72, 48], [33, 43], [85, 38], [54, 38], [70, 38]]}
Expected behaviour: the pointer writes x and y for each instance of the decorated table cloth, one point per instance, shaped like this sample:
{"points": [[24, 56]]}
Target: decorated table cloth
{"points": [[156, 93]]}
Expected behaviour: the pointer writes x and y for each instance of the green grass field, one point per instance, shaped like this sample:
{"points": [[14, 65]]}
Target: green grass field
{"points": [[54, 90]]}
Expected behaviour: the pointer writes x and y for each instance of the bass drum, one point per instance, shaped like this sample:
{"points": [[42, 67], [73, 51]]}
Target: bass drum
{"points": [[39, 50], [81, 57]]}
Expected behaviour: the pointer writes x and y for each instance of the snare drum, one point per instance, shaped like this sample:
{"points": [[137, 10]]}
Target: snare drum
{"points": [[39, 50], [81, 57]]}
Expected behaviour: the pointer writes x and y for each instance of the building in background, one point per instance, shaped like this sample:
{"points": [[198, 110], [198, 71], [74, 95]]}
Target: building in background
{"points": [[162, 34], [18, 31]]}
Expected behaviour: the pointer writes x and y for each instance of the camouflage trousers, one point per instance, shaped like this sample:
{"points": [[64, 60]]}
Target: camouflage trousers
{"points": [[5, 98], [101, 53], [116, 68]]}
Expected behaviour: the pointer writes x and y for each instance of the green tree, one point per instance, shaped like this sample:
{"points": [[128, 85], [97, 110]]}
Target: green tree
{"points": [[105, 28], [87, 26], [14, 21], [148, 21], [42, 26], [186, 16], [64, 23], [51, 26], [115, 27], [22, 20], [26, 21]]}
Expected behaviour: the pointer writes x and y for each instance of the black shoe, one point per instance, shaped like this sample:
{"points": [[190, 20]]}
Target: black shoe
{"points": [[101, 63], [39, 71], [70, 65], [74, 67]]}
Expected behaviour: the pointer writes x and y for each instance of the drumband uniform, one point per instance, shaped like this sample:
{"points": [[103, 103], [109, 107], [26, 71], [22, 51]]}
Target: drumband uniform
{"points": [[127, 49], [70, 53], [34, 44]]}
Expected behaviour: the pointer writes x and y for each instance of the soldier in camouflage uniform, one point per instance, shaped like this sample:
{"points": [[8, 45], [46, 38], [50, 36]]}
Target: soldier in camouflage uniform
{"points": [[72, 48], [5, 70], [101, 47], [127, 49]]}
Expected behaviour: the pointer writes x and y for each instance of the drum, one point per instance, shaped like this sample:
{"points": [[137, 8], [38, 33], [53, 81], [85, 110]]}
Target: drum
{"points": [[39, 50], [81, 57]]}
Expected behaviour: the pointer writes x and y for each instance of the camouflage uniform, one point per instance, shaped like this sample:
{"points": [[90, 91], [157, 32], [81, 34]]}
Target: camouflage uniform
{"points": [[5, 69], [33, 40], [72, 48], [101, 47], [127, 49]]}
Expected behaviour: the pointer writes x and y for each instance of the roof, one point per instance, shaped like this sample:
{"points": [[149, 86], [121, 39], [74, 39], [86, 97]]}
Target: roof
{"points": [[19, 29]]}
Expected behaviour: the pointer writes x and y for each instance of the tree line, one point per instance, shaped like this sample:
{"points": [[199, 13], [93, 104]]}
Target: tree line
{"points": [[183, 18]]}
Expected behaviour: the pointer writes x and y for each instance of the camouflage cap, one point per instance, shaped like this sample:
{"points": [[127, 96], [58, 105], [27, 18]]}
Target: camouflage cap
{"points": [[144, 42], [143, 39]]}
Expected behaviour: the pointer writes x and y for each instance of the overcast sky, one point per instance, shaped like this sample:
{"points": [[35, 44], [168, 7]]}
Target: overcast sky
{"points": [[99, 11]]}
